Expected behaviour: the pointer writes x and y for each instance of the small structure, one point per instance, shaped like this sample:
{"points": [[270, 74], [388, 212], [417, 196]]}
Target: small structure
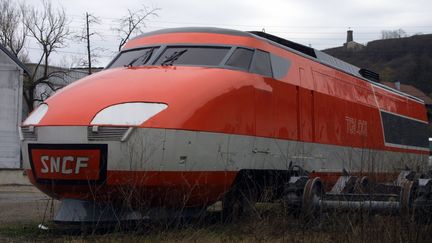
{"points": [[350, 44], [411, 90], [11, 88]]}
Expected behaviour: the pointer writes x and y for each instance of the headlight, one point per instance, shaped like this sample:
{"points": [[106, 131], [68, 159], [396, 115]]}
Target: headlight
{"points": [[127, 114], [36, 116]]}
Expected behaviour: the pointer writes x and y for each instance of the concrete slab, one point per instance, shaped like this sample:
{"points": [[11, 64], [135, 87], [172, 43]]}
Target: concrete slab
{"points": [[13, 177]]}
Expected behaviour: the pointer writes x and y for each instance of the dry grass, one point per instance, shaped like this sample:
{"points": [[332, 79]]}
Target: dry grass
{"points": [[270, 225]]}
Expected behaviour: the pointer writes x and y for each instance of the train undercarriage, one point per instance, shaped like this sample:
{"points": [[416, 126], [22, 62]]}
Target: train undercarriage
{"points": [[298, 192], [307, 197]]}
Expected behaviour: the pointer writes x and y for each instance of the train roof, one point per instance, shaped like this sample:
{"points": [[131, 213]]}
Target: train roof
{"points": [[300, 49]]}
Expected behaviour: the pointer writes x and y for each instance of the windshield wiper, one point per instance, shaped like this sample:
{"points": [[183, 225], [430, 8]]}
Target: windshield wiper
{"points": [[146, 56], [170, 59], [132, 62]]}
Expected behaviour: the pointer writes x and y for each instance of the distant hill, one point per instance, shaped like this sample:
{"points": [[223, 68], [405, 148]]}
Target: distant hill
{"points": [[407, 60]]}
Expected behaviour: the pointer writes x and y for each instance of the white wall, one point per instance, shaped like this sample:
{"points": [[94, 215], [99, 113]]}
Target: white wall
{"points": [[10, 112], [13, 177]]}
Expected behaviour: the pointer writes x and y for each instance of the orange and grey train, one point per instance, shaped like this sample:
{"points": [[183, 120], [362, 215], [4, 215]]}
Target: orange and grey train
{"points": [[182, 115]]}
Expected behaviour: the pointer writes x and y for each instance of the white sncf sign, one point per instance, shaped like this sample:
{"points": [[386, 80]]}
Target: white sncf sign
{"points": [[63, 164]]}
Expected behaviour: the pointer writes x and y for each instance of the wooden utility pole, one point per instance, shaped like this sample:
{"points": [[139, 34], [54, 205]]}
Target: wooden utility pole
{"points": [[88, 44], [85, 36]]}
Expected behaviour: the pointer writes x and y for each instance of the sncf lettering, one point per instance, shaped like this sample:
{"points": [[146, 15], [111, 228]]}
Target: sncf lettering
{"points": [[65, 165]]}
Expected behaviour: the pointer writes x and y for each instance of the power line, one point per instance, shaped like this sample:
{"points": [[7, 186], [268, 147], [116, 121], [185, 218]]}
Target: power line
{"points": [[276, 26], [68, 52], [78, 28], [266, 26], [302, 34]]}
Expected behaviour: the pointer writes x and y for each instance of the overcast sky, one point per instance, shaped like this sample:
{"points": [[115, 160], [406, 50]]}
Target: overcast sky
{"points": [[319, 23]]}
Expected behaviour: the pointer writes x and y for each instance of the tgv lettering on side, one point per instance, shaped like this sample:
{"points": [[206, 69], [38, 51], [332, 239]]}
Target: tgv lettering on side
{"points": [[63, 164]]}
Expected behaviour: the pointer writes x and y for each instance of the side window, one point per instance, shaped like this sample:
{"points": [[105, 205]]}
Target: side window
{"points": [[280, 66], [261, 64], [404, 131], [241, 58]]}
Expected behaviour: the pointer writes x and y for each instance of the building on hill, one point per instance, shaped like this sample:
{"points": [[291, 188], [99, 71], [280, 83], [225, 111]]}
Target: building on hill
{"points": [[11, 86], [350, 44], [408, 60]]}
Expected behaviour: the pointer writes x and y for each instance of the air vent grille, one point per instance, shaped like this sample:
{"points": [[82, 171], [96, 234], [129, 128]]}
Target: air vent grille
{"points": [[29, 133], [369, 74], [95, 133], [296, 46]]}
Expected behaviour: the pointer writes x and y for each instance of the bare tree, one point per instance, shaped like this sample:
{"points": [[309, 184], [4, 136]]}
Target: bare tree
{"points": [[392, 34], [49, 28], [92, 54], [133, 23], [12, 32]]}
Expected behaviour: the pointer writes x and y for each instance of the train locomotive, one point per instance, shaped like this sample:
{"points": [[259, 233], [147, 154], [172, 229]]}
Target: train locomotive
{"points": [[184, 117]]}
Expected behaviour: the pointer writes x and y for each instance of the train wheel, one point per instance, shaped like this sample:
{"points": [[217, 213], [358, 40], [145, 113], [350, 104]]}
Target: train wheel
{"points": [[311, 209], [407, 199]]}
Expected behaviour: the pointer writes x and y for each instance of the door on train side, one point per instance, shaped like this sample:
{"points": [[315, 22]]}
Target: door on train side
{"points": [[264, 128], [306, 107], [305, 119], [264, 109]]}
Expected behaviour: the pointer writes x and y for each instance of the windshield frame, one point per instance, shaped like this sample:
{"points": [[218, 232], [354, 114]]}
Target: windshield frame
{"points": [[156, 51], [159, 50]]}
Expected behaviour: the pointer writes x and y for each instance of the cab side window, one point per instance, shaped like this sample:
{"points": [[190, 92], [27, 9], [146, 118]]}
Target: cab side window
{"points": [[241, 58], [280, 66], [261, 64]]}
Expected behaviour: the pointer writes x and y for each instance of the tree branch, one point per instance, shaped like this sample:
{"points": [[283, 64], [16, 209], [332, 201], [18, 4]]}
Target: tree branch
{"points": [[133, 23]]}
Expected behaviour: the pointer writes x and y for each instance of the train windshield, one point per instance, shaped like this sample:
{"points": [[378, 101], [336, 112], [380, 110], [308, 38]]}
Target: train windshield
{"points": [[229, 57], [133, 58], [192, 55]]}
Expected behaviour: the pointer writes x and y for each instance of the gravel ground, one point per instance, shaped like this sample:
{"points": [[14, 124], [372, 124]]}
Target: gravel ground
{"points": [[22, 209], [23, 204]]}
